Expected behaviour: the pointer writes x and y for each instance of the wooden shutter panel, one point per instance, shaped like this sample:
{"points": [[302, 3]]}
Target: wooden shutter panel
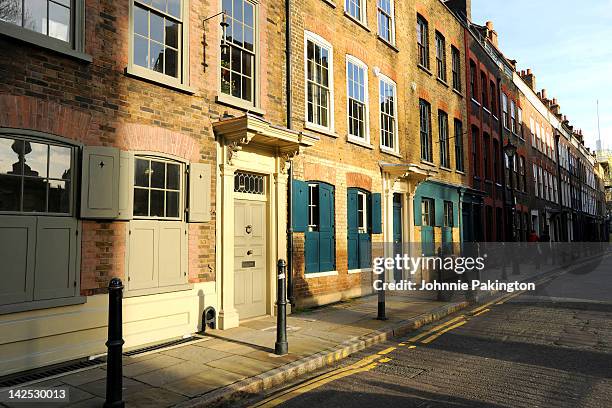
{"points": [[376, 214], [100, 186], [56, 246], [353, 230], [199, 192], [300, 206], [311, 251], [143, 254], [172, 250], [126, 185], [326, 228], [17, 252]]}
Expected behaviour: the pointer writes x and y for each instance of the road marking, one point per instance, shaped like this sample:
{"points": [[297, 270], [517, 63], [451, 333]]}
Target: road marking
{"points": [[430, 331], [384, 360], [482, 312], [435, 336], [386, 351], [507, 298], [365, 364], [412, 347]]}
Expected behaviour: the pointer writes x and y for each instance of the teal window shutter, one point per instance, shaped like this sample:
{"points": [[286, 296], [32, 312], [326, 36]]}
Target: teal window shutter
{"points": [[300, 206], [326, 228], [311, 251], [376, 214], [353, 230]]}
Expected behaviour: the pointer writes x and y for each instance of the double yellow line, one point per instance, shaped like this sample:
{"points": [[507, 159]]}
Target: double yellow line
{"points": [[365, 364]]}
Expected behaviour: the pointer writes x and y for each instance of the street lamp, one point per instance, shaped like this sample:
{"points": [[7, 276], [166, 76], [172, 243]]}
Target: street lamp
{"points": [[510, 151]]}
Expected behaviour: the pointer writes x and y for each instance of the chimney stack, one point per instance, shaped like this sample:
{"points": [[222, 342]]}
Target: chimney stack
{"points": [[529, 79], [461, 7], [492, 34]]}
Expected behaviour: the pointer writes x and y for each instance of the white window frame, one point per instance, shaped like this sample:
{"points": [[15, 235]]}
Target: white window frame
{"points": [[364, 13], [182, 188], [231, 100], [388, 81], [505, 110], [366, 139], [320, 41], [181, 83], [312, 204], [363, 217], [392, 21]]}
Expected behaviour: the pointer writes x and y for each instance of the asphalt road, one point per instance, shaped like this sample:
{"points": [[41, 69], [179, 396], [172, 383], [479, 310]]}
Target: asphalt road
{"points": [[549, 348]]}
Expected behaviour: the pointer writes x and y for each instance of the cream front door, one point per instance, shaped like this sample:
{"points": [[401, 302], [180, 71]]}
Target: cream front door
{"points": [[250, 258]]}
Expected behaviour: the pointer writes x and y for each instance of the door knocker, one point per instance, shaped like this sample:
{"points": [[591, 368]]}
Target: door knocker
{"points": [[249, 252], [249, 229]]}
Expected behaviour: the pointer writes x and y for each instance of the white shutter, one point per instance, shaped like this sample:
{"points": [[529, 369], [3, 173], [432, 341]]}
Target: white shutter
{"points": [[199, 192], [100, 185]]}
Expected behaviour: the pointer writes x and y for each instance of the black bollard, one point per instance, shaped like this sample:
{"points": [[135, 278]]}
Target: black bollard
{"points": [[114, 368], [281, 347]]}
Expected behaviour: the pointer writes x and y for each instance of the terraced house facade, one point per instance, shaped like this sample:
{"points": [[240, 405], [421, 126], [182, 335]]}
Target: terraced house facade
{"points": [[185, 146]]}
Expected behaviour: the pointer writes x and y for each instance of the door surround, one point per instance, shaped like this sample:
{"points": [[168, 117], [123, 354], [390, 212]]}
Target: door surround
{"points": [[251, 144]]}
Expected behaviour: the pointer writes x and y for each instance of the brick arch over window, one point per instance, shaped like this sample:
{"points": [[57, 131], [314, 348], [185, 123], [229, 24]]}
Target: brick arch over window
{"points": [[25, 112], [132, 136], [320, 172], [359, 180]]}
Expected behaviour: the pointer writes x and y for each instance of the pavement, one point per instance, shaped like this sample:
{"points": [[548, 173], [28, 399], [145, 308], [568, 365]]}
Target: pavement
{"points": [[224, 366], [548, 348]]}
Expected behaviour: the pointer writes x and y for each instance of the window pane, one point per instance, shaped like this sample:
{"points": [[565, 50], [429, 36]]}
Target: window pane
{"points": [[10, 193], [59, 21], [172, 204], [157, 203], [225, 81], [11, 11], [171, 62], [236, 84], [141, 51], [59, 196], [141, 173], [248, 39], [35, 159], [34, 194], [59, 162], [141, 202], [159, 4], [237, 12], [172, 34], [248, 14], [158, 174], [246, 89], [35, 15], [141, 21], [157, 57], [157, 28], [9, 156], [174, 8], [173, 177]]}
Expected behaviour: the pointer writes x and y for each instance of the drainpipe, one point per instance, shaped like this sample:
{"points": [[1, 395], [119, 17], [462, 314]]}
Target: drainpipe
{"points": [[288, 68]]}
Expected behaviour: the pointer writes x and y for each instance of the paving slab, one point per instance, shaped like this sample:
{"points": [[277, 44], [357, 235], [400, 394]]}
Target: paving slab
{"points": [[246, 366], [158, 362], [170, 374], [85, 376], [154, 397], [195, 354], [204, 382]]}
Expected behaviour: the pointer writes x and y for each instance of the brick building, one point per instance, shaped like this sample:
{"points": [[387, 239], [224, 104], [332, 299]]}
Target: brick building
{"points": [[131, 136]]}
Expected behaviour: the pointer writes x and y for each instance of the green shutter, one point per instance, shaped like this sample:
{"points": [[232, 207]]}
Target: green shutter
{"points": [[376, 214], [17, 252], [353, 230], [311, 252], [300, 206], [326, 228], [126, 185]]}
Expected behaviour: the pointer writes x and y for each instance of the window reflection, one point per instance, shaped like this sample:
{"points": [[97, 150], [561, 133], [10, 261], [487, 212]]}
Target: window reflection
{"points": [[34, 176]]}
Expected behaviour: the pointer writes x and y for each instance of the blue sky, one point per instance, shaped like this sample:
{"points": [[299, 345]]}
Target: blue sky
{"points": [[568, 45]]}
